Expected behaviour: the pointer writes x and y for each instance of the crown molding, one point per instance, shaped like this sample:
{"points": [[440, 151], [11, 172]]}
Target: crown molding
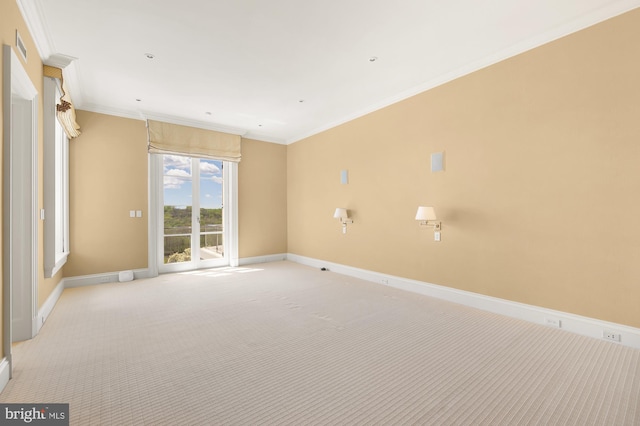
{"points": [[117, 112], [264, 138], [143, 116], [59, 60], [193, 123], [32, 14], [556, 33]]}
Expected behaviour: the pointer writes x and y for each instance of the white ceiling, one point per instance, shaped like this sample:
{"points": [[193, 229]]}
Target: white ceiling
{"points": [[245, 66]]}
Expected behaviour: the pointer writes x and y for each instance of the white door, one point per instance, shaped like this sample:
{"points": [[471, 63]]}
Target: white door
{"points": [[20, 223], [194, 222], [23, 222]]}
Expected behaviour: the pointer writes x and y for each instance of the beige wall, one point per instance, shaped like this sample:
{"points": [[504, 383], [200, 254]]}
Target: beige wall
{"points": [[107, 178], [539, 200], [262, 193]]}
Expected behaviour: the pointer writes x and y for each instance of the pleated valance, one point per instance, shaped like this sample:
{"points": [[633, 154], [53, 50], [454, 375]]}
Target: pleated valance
{"points": [[65, 111], [167, 138]]}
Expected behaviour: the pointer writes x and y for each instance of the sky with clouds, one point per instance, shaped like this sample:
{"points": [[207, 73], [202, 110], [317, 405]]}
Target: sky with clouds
{"points": [[177, 175]]}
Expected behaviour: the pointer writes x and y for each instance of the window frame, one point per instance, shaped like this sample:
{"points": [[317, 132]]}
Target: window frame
{"points": [[56, 183], [156, 205]]}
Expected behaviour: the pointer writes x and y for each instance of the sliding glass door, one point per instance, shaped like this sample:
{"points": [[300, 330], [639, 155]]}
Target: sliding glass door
{"points": [[193, 220]]}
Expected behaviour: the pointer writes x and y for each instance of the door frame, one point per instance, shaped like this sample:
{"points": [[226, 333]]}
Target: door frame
{"points": [[20, 277], [156, 206]]}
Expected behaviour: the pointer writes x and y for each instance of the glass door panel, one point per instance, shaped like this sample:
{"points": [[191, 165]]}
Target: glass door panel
{"points": [[211, 205], [178, 209]]}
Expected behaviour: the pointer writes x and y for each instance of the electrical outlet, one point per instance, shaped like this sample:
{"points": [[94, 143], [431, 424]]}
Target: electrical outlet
{"points": [[611, 335], [385, 281], [553, 322]]}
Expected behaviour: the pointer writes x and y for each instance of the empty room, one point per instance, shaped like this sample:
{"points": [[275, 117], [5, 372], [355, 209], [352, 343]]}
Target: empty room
{"points": [[245, 212]]}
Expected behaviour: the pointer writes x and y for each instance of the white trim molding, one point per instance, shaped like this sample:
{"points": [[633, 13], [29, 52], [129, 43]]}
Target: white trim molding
{"points": [[48, 305], [231, 210], [56, 183], [609, 11], [5, 373], [108, 277], [591, 327], [262, 259], [33, 17]]}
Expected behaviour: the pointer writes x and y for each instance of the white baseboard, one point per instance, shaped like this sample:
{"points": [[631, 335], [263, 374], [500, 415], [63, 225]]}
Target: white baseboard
{"points": [[112, 277], [49, 304], [263, 259], [107, 277], [629, 336], [5, 373], [139, 274]]}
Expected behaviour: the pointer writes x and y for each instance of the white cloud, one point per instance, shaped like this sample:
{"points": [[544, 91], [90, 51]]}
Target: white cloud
{"points": [[208, 195], [171, 182], [175, 178], [177, 172], [207, 168], [176, 162]]}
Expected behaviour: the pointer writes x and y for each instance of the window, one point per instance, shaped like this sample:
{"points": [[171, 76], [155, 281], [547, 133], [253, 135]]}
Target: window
{"points": [[56, 184]]}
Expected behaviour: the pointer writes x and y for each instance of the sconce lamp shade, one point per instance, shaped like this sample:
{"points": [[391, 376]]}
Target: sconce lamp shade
{"points": [[343, 217], [425, 213], [340, 213]]}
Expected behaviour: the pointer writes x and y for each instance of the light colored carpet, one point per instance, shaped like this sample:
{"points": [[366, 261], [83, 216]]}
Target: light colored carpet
{"points": [[282, 343]]}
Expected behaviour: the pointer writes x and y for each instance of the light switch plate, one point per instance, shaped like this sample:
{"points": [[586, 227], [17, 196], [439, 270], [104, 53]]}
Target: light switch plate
{"points": [[138, 213], [437, 161], [132, 213], [344, 177], [436, 236]]}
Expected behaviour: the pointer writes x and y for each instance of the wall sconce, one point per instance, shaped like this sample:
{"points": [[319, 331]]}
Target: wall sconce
{"points": [[427, 217], [341, 214]]}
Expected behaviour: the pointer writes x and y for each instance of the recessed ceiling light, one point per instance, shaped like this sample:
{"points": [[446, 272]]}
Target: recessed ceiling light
{"points": [[301, 100], [138, 100], [373, 59], [259, 125], [149, 55], [208, 112]]}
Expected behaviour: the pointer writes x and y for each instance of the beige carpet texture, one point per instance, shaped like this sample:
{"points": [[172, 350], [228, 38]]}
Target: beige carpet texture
{"points": [[286, 344]]}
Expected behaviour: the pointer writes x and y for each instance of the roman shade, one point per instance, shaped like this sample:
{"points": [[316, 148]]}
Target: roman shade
{"points": [[167, 138], [65, 111]]}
